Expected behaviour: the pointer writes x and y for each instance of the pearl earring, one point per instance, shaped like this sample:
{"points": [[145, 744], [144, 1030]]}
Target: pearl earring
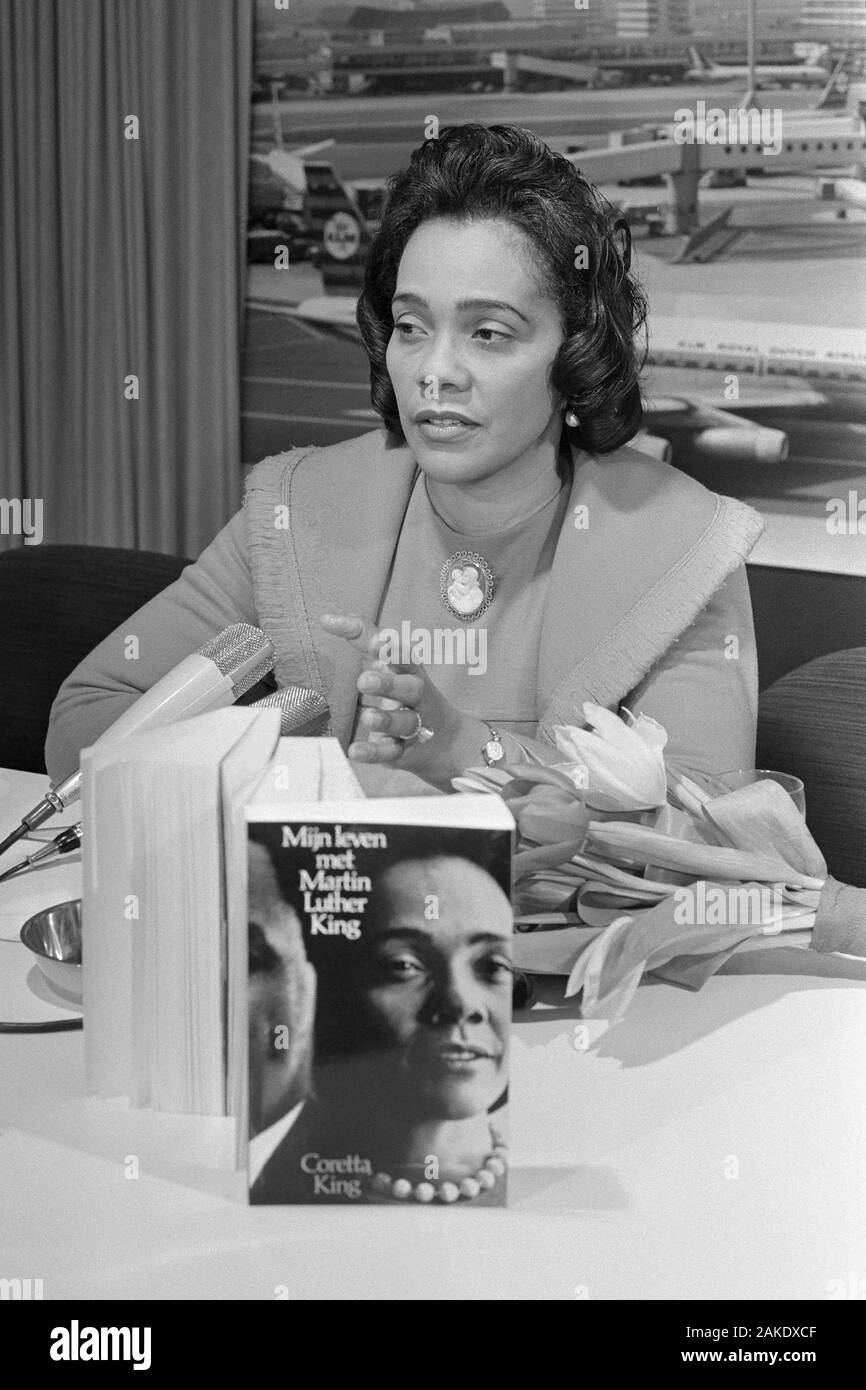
{"points": [[570, 418]]}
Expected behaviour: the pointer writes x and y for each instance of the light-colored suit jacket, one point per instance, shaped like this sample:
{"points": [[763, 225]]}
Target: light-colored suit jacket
{"points": [[647, 604]]}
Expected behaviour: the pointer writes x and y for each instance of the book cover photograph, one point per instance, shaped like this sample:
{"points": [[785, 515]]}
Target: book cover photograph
{"points": [[380, 996]]}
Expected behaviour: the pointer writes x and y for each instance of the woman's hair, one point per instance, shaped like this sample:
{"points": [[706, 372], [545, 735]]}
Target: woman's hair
{"points": [[473, 172]]}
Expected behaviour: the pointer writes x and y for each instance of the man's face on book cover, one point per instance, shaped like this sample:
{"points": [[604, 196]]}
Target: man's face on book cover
{"points": [[282, 989], [437, 996]]}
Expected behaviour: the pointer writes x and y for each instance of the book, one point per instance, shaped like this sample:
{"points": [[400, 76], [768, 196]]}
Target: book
{"points": [[300, 768], [164, 900], [380, 996]]}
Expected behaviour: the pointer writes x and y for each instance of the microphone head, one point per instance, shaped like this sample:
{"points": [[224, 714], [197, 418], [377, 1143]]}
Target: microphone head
{"points": [[305, 712], [241, 652]]}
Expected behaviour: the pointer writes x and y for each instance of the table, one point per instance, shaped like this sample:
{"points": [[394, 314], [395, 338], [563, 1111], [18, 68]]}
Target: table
{"points": [[710, 1146]]}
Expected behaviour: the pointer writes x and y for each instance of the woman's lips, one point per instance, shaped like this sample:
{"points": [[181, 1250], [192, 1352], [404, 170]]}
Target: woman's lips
{"points": [[462, 1050], [463, 1065], [445, 429], [459, 1057]]}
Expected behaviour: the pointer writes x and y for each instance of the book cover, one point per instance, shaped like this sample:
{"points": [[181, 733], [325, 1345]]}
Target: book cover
{"points": [[379, 992]]}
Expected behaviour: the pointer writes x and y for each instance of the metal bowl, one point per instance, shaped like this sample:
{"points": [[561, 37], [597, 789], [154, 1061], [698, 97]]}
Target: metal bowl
{"points": [[54, 937]]}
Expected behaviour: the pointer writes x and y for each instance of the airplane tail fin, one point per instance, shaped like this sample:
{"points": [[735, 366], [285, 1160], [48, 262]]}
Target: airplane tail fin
{"points": [[833, 93], [698, 59]]}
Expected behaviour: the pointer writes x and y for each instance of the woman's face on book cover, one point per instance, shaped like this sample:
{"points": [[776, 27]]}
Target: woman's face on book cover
{"points": [[473, 333], [437, 997]]}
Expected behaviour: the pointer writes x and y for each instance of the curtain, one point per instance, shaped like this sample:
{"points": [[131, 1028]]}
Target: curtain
{"points": [[124, 137]]}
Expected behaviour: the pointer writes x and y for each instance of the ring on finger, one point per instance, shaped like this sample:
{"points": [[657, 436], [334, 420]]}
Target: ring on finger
{"points": [[419, 734]]}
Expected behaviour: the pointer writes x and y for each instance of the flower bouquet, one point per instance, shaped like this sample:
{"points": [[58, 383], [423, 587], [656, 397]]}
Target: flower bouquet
{"points": [[627, 865]]}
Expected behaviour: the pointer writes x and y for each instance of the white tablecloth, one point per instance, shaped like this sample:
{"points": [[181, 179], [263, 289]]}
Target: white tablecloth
{"points": [[711, 1145]]}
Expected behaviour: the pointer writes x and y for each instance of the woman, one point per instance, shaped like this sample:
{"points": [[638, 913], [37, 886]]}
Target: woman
{"points": [[499, 315], [411, 1034]]}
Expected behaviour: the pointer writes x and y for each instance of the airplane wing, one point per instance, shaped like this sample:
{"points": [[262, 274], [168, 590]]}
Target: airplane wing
{"points": [[714, 435], [334, 311]]}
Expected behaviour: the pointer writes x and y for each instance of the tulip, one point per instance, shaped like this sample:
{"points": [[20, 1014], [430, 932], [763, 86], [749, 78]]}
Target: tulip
{"points": [[616, 766], [646, 846]]}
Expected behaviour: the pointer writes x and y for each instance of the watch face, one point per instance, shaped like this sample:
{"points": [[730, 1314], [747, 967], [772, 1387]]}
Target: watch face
{"points": [[495, 751]]}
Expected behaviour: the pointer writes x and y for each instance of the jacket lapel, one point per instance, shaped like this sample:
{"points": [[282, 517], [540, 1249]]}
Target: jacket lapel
{"points": [[339, 514], [643, 549]]}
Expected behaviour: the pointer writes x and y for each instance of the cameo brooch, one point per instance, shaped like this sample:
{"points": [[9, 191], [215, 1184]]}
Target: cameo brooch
{"points": [[467, 585]]}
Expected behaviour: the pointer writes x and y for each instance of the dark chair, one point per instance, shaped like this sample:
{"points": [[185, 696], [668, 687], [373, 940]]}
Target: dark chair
{"points": [[812, 722], [801, 614], [57, 602]]}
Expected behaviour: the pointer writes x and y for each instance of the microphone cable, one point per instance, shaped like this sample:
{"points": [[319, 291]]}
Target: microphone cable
{"points": [[63, 843], [51, 1025]]}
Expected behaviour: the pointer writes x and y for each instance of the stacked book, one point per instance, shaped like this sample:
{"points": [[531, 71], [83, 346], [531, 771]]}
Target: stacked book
{"points": [[260, 941]]}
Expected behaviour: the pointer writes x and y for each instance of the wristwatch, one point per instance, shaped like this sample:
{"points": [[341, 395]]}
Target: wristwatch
{"points": [[492, 751]]}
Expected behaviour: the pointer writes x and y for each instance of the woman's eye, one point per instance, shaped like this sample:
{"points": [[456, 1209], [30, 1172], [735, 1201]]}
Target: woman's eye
{"points": [[405, 330], [402, 967], [497, 968]]}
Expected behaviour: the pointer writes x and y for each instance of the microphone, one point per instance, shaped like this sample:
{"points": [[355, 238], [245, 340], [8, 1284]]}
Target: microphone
{"points": [[304, 713], [215, 675]]}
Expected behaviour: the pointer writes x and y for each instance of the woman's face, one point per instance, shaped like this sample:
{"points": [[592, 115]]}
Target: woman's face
{"points": [[472, 333], [436, 1005]]}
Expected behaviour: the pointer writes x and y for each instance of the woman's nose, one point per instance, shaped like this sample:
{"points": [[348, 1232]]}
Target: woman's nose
{"points": [[454, 1001], [441, 367]]}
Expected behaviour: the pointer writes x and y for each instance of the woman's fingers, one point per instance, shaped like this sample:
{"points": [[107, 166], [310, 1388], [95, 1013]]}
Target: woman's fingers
{"points": [[378, 750], [397, 724], [405, 685], [390, 695], [363, 635], [396, 685]]}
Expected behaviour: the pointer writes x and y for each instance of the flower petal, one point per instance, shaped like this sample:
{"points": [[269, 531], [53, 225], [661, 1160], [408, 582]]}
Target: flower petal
{"points": [[653, 734], [609, 725]]}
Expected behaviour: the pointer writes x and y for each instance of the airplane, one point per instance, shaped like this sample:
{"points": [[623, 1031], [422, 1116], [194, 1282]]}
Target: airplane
{"points": [[768, 74], [702, 371], [288, 165]]}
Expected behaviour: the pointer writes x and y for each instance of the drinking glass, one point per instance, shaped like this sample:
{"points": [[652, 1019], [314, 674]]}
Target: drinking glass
{"points": [[745, 776]]}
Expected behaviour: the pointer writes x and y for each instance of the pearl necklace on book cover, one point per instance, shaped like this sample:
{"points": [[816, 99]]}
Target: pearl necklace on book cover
{"points": [[493, 1167]]}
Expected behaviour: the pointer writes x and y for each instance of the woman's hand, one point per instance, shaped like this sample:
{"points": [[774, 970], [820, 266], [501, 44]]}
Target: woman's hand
{"points": [[394, 698]]}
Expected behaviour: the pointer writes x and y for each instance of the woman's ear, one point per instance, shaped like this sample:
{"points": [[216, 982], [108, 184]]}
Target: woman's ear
{"points": [[622, 240]]}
